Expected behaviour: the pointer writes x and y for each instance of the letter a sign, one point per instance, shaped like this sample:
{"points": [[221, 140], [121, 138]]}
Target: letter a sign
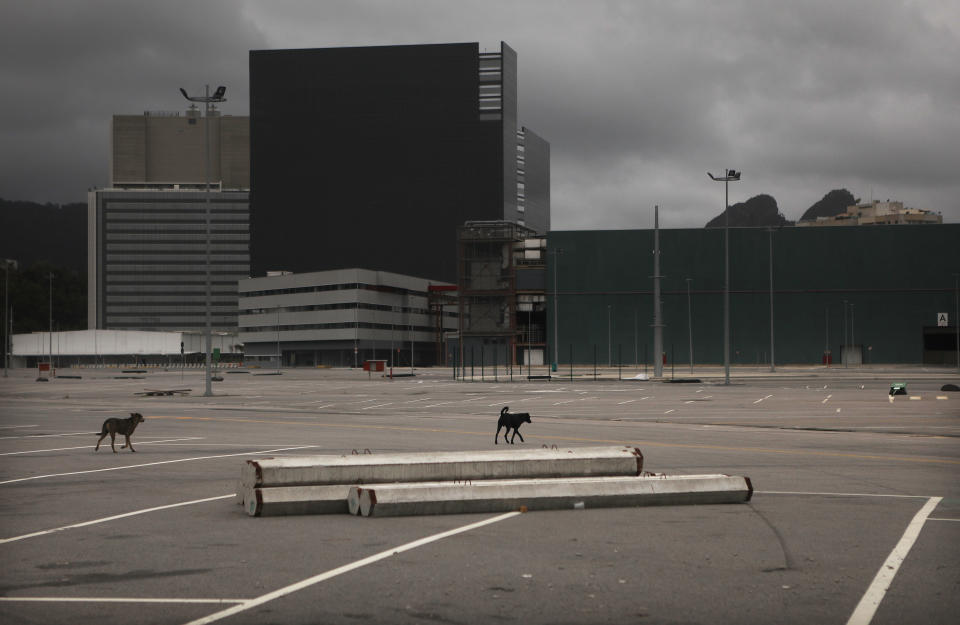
{"points": [[942, 320]]}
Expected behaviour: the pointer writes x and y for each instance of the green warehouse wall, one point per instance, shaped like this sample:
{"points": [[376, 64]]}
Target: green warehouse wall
{"points": [[895, 279]]}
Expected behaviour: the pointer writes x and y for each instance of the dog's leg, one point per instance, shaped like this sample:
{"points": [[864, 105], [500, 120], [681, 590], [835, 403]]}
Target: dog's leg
{"points": [[516, 432], [113, 437], [130, 445], [97, 448], [497, 435]]}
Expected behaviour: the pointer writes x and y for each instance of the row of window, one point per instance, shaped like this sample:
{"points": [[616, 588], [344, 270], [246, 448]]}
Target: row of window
{"points": [[341, 306], [350, 286], [338, 326], [176, 268], [195, 227], [180, 234]]}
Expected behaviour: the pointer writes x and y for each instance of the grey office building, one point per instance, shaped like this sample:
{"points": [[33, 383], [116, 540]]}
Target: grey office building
{"points": [[373, 157], [147, 258], [147, 232]]}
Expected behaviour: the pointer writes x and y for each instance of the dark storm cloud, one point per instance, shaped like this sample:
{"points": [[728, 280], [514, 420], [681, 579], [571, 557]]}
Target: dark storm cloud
{"points": [[67, 67], [638, 99]]}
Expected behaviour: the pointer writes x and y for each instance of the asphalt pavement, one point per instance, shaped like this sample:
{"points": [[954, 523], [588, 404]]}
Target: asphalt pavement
{"points": [[855, 517]]}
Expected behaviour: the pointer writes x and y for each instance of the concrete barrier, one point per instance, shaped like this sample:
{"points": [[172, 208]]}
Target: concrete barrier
{"points": [[288, 500], [549, 494], [441, 466]]}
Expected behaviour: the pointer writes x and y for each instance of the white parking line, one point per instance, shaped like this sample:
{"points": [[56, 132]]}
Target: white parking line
{"points": [[37, 451], [762, 398], [389, 403], [151, 464], [669, 411], [868, 605], [620, 403], [827, 398], [91, 433], [14, 427], [112, 518], [119, 599], [310, 581], [568, 401]]}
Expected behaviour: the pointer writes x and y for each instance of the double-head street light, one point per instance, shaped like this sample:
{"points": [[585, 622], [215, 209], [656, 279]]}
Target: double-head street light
{"points": [[207, 100], [734, 176]]}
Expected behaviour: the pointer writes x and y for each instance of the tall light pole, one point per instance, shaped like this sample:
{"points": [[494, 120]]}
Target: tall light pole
{"points": [[556, 308], [689, 325], [207, 100], [6, 313], [853, 341], [609, 339], [51, 326], [657, 319], [956, 313], [773, 367], [843, 349], [731, 175]]}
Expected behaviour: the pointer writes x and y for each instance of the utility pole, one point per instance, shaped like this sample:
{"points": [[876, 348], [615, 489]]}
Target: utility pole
{"points": [[657, 321], [51, 326], [690, 325], [6, 313], [956, 313], [773, 367], [556, 308]]}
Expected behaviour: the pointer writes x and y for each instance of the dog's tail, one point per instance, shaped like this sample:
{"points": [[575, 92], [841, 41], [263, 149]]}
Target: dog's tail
{"points": [[504, 411], [103, 429]]}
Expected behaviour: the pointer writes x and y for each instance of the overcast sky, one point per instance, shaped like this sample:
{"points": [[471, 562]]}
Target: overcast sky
{"points": [[637, 99]]}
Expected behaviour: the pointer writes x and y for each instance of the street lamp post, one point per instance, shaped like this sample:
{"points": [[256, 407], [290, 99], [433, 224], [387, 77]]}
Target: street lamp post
{"points": [[609, 339], [853, 341], [956, 313], [556, 308], [773, 367], [731, 175], [843, 349], [6, 313], [51, 327], [689, 325], [657, 317], [207, 100]]}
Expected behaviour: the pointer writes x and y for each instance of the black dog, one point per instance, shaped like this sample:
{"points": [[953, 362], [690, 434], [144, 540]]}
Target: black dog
{"points": [[511, 421], [114, 426]]}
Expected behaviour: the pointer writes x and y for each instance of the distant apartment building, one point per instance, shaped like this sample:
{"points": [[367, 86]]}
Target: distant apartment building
{"points": [[877, 213], [147, 232], [374, 156]]}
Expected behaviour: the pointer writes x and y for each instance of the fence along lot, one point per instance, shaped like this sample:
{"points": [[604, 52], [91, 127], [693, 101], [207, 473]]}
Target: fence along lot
{"points": [[89, 537]]}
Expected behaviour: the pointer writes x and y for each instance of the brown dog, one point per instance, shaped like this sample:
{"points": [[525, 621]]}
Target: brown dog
{"points": [[114, 426]]}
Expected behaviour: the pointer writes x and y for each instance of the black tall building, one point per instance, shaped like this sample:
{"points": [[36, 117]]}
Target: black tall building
{"points": [[373, 157]]}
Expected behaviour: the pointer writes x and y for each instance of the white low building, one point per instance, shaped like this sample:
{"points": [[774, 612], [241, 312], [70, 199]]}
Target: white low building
{"points": [[89, 347], [343, 317]]}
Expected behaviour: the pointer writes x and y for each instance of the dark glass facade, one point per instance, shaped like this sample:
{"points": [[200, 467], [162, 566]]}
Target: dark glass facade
{"points": [[372, 157]]}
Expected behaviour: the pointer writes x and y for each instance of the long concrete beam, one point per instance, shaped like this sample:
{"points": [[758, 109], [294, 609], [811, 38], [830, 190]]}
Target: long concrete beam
{"points": [[441, 466], [548, 494], [288, 500]]}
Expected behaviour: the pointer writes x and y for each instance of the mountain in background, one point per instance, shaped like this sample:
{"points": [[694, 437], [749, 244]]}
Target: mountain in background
{"points": [[56, 234], [757, 212], [832, 204]]}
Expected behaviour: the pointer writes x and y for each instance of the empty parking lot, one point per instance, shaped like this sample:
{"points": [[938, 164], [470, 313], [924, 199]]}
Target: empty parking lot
{"points": [[848, 485]]}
